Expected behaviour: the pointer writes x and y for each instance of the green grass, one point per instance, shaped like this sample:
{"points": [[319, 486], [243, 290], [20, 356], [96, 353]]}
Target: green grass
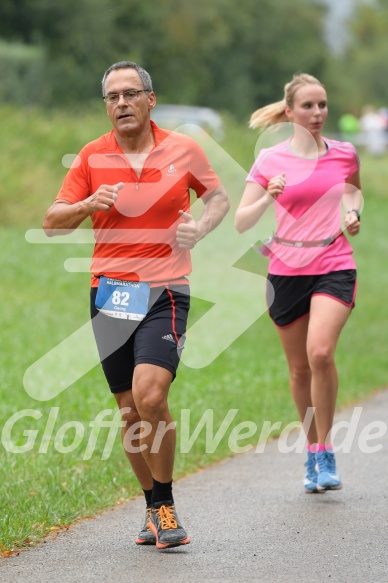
{"points": [[42, 304], [33, 143]]}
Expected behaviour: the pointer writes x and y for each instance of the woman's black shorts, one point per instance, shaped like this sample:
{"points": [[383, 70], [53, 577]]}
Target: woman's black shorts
{"points": [[158, 339], [289, 297]]}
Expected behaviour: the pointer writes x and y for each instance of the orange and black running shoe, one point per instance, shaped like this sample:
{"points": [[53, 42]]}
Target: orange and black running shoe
{"points": [[146, 536], [166, 528]]}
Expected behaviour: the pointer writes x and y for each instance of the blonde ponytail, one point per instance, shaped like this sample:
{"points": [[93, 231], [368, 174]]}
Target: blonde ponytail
{"points": [[268, 115]]}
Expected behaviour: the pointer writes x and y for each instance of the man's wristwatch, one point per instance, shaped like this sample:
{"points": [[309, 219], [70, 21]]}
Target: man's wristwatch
{"points": [[355, 211]]}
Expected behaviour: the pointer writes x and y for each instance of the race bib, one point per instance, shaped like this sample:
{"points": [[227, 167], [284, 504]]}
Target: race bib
{"points": [[122, 299]]}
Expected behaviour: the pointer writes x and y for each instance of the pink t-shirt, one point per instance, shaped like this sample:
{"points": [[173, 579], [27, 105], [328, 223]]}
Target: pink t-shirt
{"points": [[309, 209]]}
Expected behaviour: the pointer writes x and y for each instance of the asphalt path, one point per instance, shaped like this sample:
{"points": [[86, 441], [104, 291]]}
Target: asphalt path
{"points": [[249, 520]]}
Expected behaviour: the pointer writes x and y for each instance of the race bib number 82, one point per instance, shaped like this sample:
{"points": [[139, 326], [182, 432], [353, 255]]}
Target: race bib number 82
{"points": [[123, 299]]}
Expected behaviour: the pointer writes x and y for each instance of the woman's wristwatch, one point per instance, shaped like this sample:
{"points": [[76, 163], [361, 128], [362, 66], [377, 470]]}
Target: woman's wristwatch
{"points": [[355, 211]]}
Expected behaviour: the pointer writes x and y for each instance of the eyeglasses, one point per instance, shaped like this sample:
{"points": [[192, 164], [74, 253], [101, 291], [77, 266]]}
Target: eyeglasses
{"points": [[129, 95]]}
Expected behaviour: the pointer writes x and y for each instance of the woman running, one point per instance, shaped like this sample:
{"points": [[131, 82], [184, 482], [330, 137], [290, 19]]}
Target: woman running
{"points": [[311, 282]]}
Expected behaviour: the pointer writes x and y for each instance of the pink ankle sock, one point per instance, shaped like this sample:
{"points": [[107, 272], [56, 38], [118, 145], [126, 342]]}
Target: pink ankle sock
{"points": [[324, 447]]}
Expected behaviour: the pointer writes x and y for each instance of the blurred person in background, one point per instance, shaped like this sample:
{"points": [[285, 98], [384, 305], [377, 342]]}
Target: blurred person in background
{"points": [[349, 127], [372, 126]]}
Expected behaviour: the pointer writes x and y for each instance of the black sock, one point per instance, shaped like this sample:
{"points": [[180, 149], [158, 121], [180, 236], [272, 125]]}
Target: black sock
{"points": [[148, 497], [162, 493]]}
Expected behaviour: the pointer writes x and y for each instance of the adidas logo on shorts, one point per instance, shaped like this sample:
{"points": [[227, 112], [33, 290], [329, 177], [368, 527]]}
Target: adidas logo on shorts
{"points": [[169, 337]]}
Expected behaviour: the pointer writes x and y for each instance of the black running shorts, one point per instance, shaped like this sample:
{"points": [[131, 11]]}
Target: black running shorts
{"points": [[292, 294], [157, 339]]}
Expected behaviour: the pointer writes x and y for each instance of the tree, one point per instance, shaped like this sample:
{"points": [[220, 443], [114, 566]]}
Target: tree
{"points": [[359, 76], [225, 54]]}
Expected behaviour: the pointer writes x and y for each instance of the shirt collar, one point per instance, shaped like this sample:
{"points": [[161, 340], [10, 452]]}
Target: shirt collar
{"points": [[159, 136]]}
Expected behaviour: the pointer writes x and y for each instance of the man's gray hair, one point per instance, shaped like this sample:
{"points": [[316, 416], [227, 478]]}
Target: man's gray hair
{"points": [[144, 76]]}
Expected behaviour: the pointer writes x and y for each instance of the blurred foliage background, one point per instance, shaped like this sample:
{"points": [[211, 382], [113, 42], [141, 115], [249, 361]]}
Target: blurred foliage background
{"points": [[232, 56]]}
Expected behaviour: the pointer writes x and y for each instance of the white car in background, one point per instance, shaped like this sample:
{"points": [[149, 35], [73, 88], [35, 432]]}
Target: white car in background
{"points": [[173, 116]]}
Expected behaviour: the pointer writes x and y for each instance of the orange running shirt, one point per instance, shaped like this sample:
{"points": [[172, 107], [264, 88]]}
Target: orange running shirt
{"points": [[135, 240]]}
